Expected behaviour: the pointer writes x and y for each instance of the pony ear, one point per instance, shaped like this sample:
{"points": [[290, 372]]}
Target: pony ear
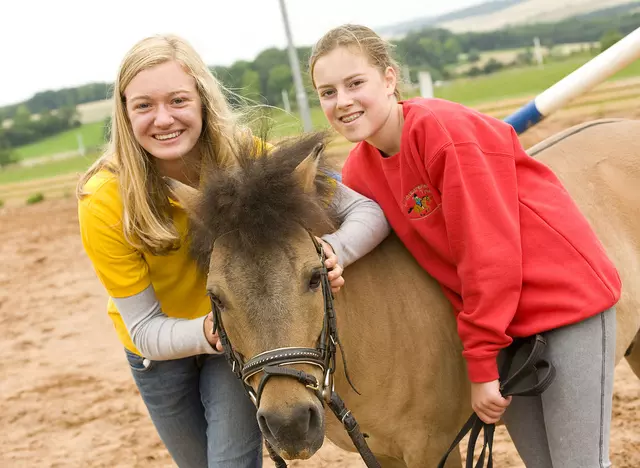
{"points": [[187, 196], [306, 171]]}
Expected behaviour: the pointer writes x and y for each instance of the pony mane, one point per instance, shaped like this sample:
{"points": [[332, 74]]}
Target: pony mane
{"points": [[260, 200]]}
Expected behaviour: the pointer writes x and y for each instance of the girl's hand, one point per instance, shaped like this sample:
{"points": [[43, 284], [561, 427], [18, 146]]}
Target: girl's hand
{"points": [[487, 401], [335, 270], [212, 338]]}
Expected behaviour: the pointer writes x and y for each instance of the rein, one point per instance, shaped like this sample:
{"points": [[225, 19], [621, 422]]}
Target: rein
{"points": [[508, 387], [276, 362]]}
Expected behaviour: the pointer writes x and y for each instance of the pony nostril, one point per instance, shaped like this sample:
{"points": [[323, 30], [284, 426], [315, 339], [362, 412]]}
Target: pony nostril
{"points": [[302, 418], [303, 422], [295, 431], [313, 417], [264, 425]]}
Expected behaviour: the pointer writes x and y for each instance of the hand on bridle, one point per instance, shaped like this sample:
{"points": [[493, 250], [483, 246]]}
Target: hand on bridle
{"points": [[487, 402], [335, 270], [212, 338]]}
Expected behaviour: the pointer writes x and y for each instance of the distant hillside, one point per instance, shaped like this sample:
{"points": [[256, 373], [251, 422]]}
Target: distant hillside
{"points": [[56, 99], [435, 49], [532, 11], [485, 8], [499, 14]]}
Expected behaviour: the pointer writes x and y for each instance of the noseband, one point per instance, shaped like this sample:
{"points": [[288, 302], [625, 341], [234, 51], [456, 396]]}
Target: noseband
{"points": [[278, 362]]}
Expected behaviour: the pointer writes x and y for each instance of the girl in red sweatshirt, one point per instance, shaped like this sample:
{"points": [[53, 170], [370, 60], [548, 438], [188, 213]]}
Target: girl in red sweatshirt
{"points": [[497, 230]]}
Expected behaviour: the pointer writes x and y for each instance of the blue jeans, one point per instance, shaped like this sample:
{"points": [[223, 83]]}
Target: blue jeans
{"points": [[200, 410]]}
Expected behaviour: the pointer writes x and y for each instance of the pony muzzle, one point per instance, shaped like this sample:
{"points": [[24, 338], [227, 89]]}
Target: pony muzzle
{"points": [[297, 431]]}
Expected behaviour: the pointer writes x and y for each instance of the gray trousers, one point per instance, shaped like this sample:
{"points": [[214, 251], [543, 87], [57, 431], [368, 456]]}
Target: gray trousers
{"points": [[568, 425]]}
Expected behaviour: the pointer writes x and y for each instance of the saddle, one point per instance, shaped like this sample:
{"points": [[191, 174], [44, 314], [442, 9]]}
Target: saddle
{"points": [[511, 384]]}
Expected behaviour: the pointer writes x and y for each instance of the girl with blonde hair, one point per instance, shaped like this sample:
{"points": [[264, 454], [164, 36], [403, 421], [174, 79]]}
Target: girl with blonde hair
{"points": [[497, 229], [170, 119]]}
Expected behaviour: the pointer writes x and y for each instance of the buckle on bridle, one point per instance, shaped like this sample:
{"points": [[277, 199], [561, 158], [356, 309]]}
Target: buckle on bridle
{"points": [[314, 386], [253, 396], [328, 385]]}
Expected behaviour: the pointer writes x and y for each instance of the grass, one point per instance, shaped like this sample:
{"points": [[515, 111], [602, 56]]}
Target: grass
{"points": [[283, 124], [45, 170], [518, 82], [92, 136], [512, 83], [35, 198]]}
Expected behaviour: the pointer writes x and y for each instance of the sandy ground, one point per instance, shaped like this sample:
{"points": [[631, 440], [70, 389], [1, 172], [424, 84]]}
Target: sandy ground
{"points": [[66, 395]]}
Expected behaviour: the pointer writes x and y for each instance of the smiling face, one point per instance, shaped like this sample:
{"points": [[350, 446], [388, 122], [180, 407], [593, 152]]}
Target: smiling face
{"points": [[357, 98], [165, 111]]}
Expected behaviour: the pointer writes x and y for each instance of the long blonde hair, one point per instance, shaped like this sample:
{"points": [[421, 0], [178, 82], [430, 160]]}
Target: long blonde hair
{"points": [[364, 39], [147, 223]]}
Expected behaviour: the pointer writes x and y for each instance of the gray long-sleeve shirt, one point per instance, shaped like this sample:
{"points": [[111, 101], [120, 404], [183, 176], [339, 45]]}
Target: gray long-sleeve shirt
{"points": [[159, 337]]}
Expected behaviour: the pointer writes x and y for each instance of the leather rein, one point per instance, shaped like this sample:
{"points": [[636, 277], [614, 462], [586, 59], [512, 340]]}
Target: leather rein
{"points": [[277, 362], [509, 385]]}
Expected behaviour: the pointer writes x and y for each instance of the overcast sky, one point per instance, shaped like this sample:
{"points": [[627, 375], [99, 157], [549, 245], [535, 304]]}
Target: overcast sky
{"points": [[54, 44]]}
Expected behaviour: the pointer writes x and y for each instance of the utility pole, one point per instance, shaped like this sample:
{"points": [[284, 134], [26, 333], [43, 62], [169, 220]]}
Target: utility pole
{"points": [[301, 95]]}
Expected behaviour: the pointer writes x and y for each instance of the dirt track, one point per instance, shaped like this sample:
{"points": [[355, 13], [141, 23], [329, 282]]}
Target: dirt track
{"points": [[66, 395]]}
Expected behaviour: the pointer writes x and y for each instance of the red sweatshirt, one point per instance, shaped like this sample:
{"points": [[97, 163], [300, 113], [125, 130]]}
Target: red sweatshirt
{"points": [[492, 225]]}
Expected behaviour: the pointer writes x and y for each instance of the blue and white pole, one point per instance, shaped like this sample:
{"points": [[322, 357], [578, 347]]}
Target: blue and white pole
{"points": [[595, 71]]}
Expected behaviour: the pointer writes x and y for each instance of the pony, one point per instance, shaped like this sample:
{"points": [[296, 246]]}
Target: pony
{"points": [[401, 372]]}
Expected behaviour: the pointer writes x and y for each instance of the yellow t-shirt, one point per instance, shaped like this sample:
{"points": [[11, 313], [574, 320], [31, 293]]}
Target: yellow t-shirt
{"points": [[124, 270]]}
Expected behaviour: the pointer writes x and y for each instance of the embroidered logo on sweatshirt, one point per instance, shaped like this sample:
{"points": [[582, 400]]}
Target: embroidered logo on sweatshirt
{"points": [[419, 202]]}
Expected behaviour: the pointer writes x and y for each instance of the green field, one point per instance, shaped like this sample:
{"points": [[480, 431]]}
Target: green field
{"points": [[282, 124], [518, 82], [511, 83], [18, 174], [92, 137]]}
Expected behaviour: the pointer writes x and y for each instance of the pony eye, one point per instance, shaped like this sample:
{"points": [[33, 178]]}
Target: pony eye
{"points": [[316, 280]]}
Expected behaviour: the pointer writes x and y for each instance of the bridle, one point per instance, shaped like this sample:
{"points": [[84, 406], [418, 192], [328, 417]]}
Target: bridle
{"points": [[277, 362]]}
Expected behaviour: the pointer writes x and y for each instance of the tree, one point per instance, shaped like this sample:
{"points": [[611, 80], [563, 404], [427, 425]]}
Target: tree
{"points": [[6, 157], [474, 71], [609, 38], [525, 57], [492, 66], [22, 129], [473, 55], [233, 75], [48, 123], [431, 48], [279, 78], [22, 117], [70, 116], [265, 61], [250, 85], [451, 50]]}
